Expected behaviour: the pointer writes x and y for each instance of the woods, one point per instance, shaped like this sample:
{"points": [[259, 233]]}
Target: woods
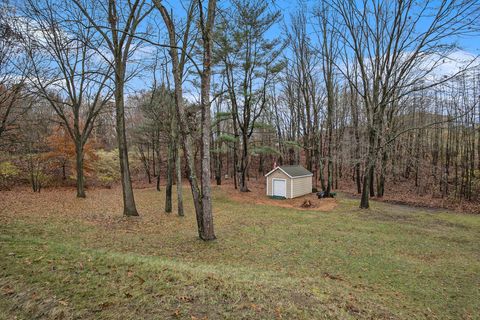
{"points": [[376, 98], [239, 159]]}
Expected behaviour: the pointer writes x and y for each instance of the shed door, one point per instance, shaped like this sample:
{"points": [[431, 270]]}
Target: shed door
{"points": [[279, 187]]}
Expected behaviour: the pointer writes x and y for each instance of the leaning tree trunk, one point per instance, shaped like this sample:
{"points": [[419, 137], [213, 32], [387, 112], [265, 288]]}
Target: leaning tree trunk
{"points": [[129, 208], [204, 221], [188, 143]]}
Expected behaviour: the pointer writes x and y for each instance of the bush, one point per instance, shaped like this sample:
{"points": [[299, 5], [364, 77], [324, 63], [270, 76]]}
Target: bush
{"points": [[107, 167], [8, 172]]}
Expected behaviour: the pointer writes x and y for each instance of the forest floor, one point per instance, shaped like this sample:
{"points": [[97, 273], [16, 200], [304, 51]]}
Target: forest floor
{"points": [[257, 195], [63, 258], [403, 192]]}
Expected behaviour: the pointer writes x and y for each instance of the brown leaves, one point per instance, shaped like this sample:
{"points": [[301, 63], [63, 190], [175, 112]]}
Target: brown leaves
{"points": [[63, 302], [8, 290], [332, 276], [306, 202], [140, 279], [185, 299]]}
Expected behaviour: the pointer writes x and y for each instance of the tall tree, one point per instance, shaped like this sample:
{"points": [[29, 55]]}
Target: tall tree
{"points": [[303, 88], [395, 45], [329, 43], [250, 64], [179, 55], [206, 21], [118, 24], [78, 84], [14, 68]]}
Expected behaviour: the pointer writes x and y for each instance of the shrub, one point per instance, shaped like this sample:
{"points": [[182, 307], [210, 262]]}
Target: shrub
{"points": [[8, 171], [107, 167]]}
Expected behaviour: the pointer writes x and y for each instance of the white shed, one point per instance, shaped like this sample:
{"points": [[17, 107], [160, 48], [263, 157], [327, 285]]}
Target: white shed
{"points": [[289, 181]]}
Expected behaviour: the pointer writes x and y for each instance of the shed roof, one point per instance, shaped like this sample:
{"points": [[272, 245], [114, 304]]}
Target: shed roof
{"points": [[293, 171]]}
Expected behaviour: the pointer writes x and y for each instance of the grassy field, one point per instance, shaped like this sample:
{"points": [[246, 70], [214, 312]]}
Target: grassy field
{"points": [[62, 258]]}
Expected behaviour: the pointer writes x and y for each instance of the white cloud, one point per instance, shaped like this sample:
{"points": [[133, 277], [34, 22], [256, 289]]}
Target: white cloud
{"points": [[450, 65]]}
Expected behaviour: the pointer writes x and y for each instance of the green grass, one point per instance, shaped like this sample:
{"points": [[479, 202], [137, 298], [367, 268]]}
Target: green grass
{"points": [[68, 258]]}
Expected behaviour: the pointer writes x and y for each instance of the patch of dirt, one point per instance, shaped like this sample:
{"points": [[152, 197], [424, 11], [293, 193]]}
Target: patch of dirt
{"points": [[257, 195]]}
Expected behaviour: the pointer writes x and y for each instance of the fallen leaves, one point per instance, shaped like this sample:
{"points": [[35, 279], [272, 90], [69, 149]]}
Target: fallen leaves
{"points": [[8, 290], [257, 196], [332, 276], [185, 299]]}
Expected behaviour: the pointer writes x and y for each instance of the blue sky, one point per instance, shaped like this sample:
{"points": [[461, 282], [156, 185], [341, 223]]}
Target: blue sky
{"points": [[469, 46]]}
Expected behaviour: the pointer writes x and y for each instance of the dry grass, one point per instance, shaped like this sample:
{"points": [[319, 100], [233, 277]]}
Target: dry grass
{"points": [[63, 257]]}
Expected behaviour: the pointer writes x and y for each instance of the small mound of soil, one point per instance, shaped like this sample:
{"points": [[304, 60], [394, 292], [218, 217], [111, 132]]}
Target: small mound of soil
{"points": [[307, 204]]}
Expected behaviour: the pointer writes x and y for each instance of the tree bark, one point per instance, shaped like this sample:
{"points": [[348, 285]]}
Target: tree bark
{"points": [[79, 168], [207, 35], [129, 208], [170, 169], [178, 164]]}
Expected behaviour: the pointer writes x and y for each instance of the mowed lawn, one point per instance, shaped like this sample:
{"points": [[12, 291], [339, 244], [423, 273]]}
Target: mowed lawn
{"points": [[68, 258]]}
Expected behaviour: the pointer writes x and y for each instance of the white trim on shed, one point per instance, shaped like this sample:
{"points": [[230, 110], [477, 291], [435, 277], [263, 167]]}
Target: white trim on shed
{"points": [[285, 187]]}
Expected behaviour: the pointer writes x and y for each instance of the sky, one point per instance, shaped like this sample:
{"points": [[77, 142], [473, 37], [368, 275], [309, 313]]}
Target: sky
{"points": [[469, 47]]}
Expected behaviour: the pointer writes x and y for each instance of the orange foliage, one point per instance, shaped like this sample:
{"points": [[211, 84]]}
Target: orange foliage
{"points": [[62, 153]]}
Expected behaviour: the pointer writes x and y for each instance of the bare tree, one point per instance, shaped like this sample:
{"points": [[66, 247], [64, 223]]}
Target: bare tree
{"points": [[328, 31], [179, 56], [250, 64], [14, 67], [395, 45], [303, 89], [67, 72], [118, 24]]}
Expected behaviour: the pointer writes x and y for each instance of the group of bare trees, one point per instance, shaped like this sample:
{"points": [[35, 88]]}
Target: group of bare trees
{"points": [[350, 89], [82, 56]]}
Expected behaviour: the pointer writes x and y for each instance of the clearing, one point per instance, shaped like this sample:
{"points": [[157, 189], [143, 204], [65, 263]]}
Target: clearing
{"points": [[64, 258]]}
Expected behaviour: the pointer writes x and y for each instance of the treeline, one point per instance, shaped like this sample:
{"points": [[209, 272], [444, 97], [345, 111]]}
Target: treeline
{"points": [[356, 91]]}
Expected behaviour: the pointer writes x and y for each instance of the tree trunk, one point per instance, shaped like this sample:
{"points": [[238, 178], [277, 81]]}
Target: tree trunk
{"points": [[170, 169], [218, 158], [369, 167], [244, 165], [129, 208], [218, 169], [329, 160], [207, 232], [364, 203], [381, 178], [157, 152], [372, 178], [204, 221], [178, 161], [80, 173]]}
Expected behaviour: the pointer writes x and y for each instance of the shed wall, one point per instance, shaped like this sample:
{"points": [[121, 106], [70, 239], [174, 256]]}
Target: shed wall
{"points": [[278, 174], [301, 186]]}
